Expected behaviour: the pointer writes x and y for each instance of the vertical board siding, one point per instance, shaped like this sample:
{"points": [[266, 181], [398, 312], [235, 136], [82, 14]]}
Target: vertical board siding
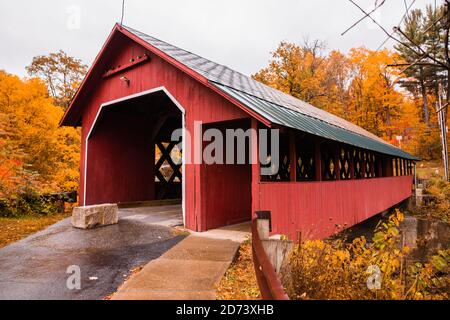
{"points": [[225, 188], [199, 102], [317, 208], [313, 207], [122, 160]]}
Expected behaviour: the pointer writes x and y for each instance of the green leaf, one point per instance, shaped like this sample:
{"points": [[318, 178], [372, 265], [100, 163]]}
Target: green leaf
{"points": [[378, 237], [439, 263]]}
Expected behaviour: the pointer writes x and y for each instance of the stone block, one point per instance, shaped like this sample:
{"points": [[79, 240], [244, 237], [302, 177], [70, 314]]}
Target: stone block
{"points": [[90, 217]]}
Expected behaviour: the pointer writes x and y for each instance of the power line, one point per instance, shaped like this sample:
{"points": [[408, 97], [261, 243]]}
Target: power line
{"points": [[398, 30], [365, 16], [407, 8]]}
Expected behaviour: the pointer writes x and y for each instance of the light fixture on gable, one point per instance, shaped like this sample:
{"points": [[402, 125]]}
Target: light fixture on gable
{"points": [[126, 80]]}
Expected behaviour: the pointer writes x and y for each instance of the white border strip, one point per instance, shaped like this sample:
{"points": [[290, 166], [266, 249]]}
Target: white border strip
{"points": [[131, 97]]}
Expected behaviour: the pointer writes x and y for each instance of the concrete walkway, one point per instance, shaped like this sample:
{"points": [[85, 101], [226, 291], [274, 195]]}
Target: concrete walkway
{"points": [[191, 270]]}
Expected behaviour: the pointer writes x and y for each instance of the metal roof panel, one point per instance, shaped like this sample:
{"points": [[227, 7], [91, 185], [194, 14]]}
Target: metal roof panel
{"points": [[276, 106]]}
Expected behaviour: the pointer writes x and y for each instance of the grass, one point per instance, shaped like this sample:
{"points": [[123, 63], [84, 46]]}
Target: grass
{"points": [[239, 282], [427, 169], [14, 229]]}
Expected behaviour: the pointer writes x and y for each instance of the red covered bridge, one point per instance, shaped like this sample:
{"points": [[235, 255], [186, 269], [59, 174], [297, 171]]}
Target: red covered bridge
{"points": [[140, 89]]}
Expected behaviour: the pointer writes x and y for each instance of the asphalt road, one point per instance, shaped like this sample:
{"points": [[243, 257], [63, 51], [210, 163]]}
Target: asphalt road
{"points": [[36, 268]]}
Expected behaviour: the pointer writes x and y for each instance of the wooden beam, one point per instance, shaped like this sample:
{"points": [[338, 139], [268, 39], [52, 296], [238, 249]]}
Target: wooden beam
{"points": [[379, 165], [396, 167], [317, 159], [133, 63], [363, 167], [292, 156], [372, 165], [256, 170], [352, 165], [337, 157]]}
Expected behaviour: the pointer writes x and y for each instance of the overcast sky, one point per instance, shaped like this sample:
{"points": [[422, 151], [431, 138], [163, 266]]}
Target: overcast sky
{"points": [[238, 33]]}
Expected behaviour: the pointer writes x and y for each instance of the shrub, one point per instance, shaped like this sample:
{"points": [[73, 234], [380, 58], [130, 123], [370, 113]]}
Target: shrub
{"points": [[28, 204], [439, 189], [339, 270]]}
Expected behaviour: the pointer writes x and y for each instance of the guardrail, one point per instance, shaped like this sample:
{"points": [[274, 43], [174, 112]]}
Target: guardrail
{"points": [[268, 282]]}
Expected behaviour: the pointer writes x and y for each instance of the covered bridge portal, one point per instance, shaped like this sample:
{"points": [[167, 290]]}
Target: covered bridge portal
{"points": [[140, 90]]}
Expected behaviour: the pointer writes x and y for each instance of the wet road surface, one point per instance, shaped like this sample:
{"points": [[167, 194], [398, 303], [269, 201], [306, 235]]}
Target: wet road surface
{"points": [[36, 267]]}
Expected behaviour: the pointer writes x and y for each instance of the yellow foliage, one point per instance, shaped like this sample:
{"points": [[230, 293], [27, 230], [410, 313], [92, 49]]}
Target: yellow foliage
{"points": [[359, 87], [36, 154], [338, 270], [239, 282], [439, 207]]}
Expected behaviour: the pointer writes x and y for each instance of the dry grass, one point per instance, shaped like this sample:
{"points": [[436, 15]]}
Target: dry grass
{"points": [[439, 207], [239, 282], [427, 169], [14, 229]]}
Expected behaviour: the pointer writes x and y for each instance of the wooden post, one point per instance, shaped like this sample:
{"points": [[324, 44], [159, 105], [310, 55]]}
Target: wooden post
{"points": [[352, 165], [390, 166], [317, 159], [337, 169], [380, 166], [372, 165], [364, 161], [292, 156], [256, 171], [396, 167]]}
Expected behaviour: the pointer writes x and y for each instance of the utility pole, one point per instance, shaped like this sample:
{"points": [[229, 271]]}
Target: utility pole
{"points": [[443, 132]]}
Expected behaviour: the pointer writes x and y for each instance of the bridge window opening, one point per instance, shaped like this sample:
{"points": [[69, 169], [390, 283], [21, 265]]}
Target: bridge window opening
{"points": [[284, 168], [168, 159], [357, 162], [168, 170], [337, 161], [344, 163], [394, 167], [306, 166], [329, 163]]}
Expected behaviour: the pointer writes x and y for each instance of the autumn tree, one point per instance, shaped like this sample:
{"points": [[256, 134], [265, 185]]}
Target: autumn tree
{"points": [[307, 74], [421, 78], [36, 154], [425, 29], [61, 73], [359, 87], [374, 101]]}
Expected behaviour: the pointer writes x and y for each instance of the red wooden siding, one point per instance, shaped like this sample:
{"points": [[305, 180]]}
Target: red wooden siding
{"points": [[120, 161], [315, 208], [200, 102], [226, 194], [226, 189]]}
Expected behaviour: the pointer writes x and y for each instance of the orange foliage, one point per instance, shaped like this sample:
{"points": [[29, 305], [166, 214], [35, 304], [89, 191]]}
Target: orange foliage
{"points": [[35, 155], [359, 87]]}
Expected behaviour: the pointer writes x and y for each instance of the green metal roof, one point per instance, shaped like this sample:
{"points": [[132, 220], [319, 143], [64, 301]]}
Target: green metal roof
{"points": [[296, 120], [274, 105]]}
